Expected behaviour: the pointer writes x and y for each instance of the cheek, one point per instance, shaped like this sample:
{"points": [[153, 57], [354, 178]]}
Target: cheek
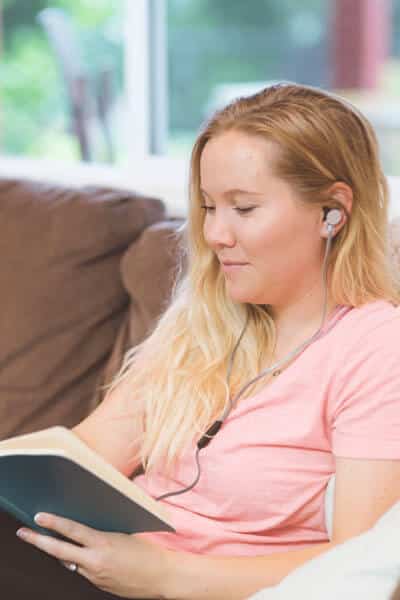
{"points": [[266, 240], [278, 247], [205, 233]]}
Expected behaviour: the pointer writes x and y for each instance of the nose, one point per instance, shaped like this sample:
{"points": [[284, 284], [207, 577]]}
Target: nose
{"points": [[218, 231]]}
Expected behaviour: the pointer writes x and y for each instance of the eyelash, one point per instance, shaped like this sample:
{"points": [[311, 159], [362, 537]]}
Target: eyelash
{"points": [[240, 210]]}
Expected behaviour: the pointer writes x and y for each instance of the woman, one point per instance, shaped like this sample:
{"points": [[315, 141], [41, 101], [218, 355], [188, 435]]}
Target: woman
{"points": [[286, 232]]}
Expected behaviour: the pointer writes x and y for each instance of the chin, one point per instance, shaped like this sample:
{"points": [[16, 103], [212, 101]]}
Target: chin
{"points": [[244, 297]]}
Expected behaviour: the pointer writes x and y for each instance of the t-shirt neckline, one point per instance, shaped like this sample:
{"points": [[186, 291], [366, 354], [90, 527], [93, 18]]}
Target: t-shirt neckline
{"points": [[338, 313]]}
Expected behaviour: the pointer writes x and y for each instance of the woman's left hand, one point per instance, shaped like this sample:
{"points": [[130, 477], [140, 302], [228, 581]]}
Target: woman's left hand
{"points": [[125, 565]]}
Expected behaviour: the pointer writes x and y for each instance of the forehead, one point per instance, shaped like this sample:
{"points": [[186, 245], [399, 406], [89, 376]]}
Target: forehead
{"points": [[235, 159]]}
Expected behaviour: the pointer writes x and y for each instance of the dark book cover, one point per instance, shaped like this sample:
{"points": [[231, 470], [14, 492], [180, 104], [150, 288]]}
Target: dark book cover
{"points": [[32, 483]]}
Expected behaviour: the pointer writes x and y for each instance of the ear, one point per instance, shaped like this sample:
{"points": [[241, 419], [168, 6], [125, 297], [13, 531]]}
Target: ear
{"points": [[340, 196]]}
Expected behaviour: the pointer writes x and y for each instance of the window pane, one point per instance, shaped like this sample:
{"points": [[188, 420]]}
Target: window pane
{"points": [[219, 49], [61, 79]]}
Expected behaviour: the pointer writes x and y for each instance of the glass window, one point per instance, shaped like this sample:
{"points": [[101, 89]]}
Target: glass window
{"points": [[219, 49], [62, 79], [62, 84]]}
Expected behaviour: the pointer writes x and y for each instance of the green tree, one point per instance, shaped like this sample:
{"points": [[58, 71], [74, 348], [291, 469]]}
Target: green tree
{"points": [[33, 95]]}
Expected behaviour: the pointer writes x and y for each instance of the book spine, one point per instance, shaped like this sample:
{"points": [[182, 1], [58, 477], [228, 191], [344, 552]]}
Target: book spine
{"points": [[16, 512]]}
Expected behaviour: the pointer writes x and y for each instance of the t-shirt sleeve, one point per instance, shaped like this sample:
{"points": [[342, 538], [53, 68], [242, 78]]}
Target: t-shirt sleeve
{"points": [[365, 395]]}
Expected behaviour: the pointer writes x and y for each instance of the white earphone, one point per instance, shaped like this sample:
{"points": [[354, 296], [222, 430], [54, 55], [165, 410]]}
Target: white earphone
{"points": [[332, 218]]}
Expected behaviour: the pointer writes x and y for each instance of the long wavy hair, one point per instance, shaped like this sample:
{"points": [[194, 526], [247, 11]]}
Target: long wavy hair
{"points": [[176, 376]]}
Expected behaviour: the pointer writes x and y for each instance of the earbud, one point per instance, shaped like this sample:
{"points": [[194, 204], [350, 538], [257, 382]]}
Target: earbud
{"points": [[333, 216]]}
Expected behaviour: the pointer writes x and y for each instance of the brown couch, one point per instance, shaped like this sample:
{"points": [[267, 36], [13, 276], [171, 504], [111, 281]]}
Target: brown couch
{"points": [[85, 272]]}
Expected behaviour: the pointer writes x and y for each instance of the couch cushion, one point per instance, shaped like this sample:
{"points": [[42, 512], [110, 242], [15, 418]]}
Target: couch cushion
{"points": [[62, 298], [149, 269]]}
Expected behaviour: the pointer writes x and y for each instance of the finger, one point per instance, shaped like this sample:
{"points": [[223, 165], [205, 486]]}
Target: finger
{"points": [[56, 548], [86, 536], [69, 565]]}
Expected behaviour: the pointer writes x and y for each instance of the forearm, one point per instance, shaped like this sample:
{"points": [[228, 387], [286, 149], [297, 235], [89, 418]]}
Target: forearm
{"points": [[200, 577]]}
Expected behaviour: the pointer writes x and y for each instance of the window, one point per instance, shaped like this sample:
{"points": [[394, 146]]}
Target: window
{"points": [[62, 80], [219, 49], [147, 73]]}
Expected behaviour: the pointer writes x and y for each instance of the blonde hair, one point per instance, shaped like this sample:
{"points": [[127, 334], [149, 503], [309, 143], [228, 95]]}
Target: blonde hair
{"points": [[177, 374]]}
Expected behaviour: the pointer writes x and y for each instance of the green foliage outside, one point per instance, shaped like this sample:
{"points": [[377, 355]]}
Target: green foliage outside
{"points": [[34, 106]]}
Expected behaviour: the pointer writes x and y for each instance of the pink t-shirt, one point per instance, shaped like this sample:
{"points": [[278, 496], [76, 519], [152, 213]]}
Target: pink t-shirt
{"points": [[264, 476]]}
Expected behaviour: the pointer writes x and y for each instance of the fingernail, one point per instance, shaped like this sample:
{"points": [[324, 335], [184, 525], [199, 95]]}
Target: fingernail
{"points": [[21, 533], [39, 518]]}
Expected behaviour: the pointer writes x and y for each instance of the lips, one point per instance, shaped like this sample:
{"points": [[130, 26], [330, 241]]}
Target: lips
{"points": [[232, 267]]}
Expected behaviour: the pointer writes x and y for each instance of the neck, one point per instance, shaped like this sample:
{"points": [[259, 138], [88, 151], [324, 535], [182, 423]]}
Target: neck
{"points": [[299, 320]]}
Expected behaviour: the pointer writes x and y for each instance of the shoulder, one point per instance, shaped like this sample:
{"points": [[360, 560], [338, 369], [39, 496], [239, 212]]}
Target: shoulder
{"points": [[363, 399], [373, 313], [365, 329], [364, 355]]}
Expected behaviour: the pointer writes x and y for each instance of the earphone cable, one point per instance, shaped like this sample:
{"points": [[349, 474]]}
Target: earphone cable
{"points": [[186, 489]]}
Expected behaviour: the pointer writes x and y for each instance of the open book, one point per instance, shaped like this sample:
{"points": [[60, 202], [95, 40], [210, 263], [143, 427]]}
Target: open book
{"points": [[53, 471]]}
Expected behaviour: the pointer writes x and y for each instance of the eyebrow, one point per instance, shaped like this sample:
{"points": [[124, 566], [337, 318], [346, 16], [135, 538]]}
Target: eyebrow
{"points": [[234, 191]]}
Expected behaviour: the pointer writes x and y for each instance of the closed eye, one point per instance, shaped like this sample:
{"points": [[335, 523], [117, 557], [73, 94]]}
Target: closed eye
{"points": [[240, 210], [245, 210]]}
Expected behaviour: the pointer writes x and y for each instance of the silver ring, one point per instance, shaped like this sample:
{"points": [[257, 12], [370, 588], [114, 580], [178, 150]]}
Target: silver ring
{"points": [[70, 566]]}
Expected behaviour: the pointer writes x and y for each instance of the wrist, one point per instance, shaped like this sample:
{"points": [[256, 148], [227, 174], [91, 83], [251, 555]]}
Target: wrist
{"points": [[172, 576], [169, 575]]}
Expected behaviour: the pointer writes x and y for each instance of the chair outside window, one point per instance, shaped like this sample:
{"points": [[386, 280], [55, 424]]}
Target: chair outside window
{"points": [[89, 84]]}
